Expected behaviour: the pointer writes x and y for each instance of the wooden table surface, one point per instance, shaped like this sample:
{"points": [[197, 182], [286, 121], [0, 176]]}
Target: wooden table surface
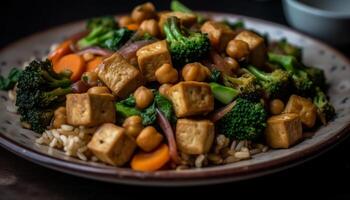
{"points": [[325, 176]]}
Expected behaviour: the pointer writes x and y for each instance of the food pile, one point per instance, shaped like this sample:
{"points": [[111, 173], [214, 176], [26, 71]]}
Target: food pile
{"points": [[169, 90]]}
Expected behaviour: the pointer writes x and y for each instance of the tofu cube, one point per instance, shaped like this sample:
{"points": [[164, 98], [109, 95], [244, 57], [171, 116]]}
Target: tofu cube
{"points": [[256, 45], [90, 109], [119, 76], [191, 98], [151, 57], [194, 136], [283, 130], [304, 108], [111, 145], [186, 19], [219, 34], [149, 139]]}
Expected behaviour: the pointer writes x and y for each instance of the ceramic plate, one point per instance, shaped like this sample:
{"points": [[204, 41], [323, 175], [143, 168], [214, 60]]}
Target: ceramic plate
{"points": [[315, 53]]}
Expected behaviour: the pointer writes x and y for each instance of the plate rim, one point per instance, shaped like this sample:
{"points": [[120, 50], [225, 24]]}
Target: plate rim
{"points": [[123, 175]]}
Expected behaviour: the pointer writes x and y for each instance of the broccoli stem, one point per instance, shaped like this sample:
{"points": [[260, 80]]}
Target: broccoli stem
{"points": [[259, 74], [175, 29], [222, 93], [59, 92], [287, 62]]}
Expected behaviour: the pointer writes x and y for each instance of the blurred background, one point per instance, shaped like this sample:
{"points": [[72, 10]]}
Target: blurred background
{"points": [[323, 176]]}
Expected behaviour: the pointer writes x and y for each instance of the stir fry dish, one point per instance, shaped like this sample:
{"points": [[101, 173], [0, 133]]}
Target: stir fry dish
{"points": [[169, 90]]}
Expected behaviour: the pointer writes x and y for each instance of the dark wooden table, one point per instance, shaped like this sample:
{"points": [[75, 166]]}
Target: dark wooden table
{"points": [[325, 176]]}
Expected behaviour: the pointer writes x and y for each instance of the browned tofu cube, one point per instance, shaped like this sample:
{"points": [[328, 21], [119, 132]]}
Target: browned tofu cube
{"points": [[111, 145], [149, 139], [186, 19], [90, 109], [257, 47], [191, 98], [119, 76], [151, 57], [194, 136], [219, 34], [304, 108], [283, 130]]}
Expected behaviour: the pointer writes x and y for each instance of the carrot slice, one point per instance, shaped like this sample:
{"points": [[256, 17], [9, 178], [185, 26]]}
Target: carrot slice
{"points": [[92, 65], [132, 27], [72, 62], [152, 161], [62, 50]]}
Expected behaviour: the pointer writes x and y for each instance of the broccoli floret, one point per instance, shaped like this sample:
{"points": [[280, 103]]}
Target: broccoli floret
{"points": [[316, 75], [245, 83], [179, 7], [7, 83], [285, 48], [326, 110], [40, 90], [274, 84], [245, 121], [185, 46], [104, 32], [302, 82]]}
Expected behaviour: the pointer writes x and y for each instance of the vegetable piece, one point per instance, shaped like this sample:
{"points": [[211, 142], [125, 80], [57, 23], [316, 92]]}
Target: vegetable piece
{"points": [[112, 145], [7, 83], [63, 49], [285, 48], [303, 84], [224, 94], [132, 27], [245, 121], [316, 75], [148, 162], [234, 25], [274, 84], [96, 51], [215, 75], [246, 83], [283, 130], [165, 106], [194, 137], [73, 63], [149, 139], [39, 91], [177, 6], [185, 46], [325, 109], [104, 33]]}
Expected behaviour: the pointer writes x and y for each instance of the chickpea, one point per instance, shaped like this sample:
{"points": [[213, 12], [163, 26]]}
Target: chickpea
{"points": [[195, 72], [149, 139], [88, 56], [99, 90], [276, 106], [149, 26], [143, 97], [90, 78], [166, 74], [60, 117], [142, 12], [124, 21], [238, 49], [133, 125], [164, 88], [232, 63]]}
